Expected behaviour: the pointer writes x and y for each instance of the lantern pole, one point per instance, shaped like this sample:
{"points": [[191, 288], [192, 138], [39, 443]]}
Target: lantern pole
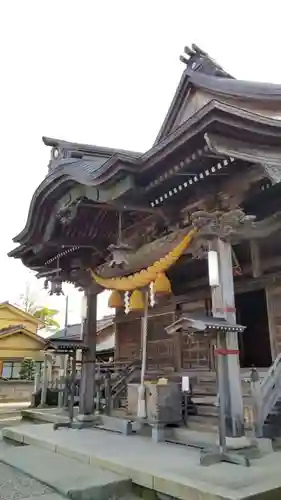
{"points": [[141, 389]]}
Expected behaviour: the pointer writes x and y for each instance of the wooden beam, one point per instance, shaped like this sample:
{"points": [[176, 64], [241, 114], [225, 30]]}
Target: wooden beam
{"points": [[255, 258]]}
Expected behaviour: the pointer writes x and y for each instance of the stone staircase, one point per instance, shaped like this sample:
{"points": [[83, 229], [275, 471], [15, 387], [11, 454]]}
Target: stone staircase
{"points": [[272, 425], [126, 376], [266, 395], [262, 401], [205, 399], [67, 476]]}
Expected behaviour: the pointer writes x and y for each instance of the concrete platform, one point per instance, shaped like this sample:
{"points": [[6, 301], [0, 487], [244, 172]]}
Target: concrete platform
{"points": [[66, 476], [52, 415], [180, 435], [166, 468]]}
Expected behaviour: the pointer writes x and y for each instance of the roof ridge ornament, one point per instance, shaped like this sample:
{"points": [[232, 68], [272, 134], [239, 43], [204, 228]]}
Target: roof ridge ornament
{"points": [[197, 59]]}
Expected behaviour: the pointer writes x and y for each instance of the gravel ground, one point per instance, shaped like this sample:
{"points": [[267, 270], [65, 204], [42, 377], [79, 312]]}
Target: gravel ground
{"points": [[16, 485]]}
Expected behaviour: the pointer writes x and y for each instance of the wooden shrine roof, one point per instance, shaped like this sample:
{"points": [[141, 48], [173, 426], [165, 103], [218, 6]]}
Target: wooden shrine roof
{"points": [[215, 131]]}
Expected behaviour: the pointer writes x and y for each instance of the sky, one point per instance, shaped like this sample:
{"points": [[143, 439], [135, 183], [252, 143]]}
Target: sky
{"points": [[104, 73]]}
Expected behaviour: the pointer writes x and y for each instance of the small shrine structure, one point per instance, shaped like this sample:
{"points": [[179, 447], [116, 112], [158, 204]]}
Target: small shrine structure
{"points": [[142, 224]]}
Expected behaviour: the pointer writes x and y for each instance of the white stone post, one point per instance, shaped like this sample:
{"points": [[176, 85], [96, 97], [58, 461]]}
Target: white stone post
{"points": [[36, 378], [44, 385], [61, 381]]}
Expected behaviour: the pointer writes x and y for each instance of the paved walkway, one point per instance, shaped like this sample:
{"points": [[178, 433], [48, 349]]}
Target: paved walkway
{"points": [[164, 467], [10, 413], [14, 485], [67, 476]]}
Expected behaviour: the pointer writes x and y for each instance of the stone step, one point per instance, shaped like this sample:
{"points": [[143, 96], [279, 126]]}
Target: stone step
{"points": [[202, 425], [204, 391], [208, 421], [271, 431], [206, 410], [67, 476]]}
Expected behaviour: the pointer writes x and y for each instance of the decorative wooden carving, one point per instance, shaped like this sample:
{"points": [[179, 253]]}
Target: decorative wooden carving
{"points": [[273, 172]]}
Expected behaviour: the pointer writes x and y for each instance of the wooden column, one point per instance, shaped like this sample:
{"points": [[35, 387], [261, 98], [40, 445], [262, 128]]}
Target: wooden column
{"points": [[223, 304], [87, 388], [273, 303], [255, 259], [61, 380], [116, 350]]}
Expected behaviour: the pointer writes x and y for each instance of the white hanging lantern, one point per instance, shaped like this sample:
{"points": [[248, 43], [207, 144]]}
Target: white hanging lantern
{"points": [[213, 268]]}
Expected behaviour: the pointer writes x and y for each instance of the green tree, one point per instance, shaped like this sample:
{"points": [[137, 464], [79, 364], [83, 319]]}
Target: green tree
{"points": [[27, 369], [46, 315], [29, 303]]}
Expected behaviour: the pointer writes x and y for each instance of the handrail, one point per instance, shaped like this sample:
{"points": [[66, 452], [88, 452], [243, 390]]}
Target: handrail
{"points": [[130, 368], [266, 393]]}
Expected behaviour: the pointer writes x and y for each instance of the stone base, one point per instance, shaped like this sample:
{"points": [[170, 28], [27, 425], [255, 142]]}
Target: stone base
{"points": [[237, 443], [81, 417], [83, 421], [263, 444], [158, 434], [211, 457], [115, 424]]}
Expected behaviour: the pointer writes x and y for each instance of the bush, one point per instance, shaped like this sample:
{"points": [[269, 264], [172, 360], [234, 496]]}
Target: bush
{"points": [[27, 370]]}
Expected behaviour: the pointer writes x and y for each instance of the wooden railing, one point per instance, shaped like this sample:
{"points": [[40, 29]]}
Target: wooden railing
{"points": [[265, 394], [111, 382], [114, 389]]}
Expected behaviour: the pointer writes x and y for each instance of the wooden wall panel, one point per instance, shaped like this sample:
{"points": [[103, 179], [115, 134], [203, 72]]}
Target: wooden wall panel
{"points": [[160, 347], [128, 335], [196, 349]]}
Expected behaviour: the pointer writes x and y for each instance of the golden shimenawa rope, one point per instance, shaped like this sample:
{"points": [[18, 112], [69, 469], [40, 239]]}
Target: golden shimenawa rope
{"points": [[148, 275]]}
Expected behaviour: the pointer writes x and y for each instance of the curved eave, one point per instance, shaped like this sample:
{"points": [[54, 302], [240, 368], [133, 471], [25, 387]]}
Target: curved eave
{"points": [[88, 149], [213, 116], [71, 173], [230, 87], [215, 113]]}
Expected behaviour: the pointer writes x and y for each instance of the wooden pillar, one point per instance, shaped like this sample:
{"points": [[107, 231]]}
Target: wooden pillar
{"points": [[271, 314], [87, 388], [62, 380], [223, 303], [255, 259], [117, 329]]}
